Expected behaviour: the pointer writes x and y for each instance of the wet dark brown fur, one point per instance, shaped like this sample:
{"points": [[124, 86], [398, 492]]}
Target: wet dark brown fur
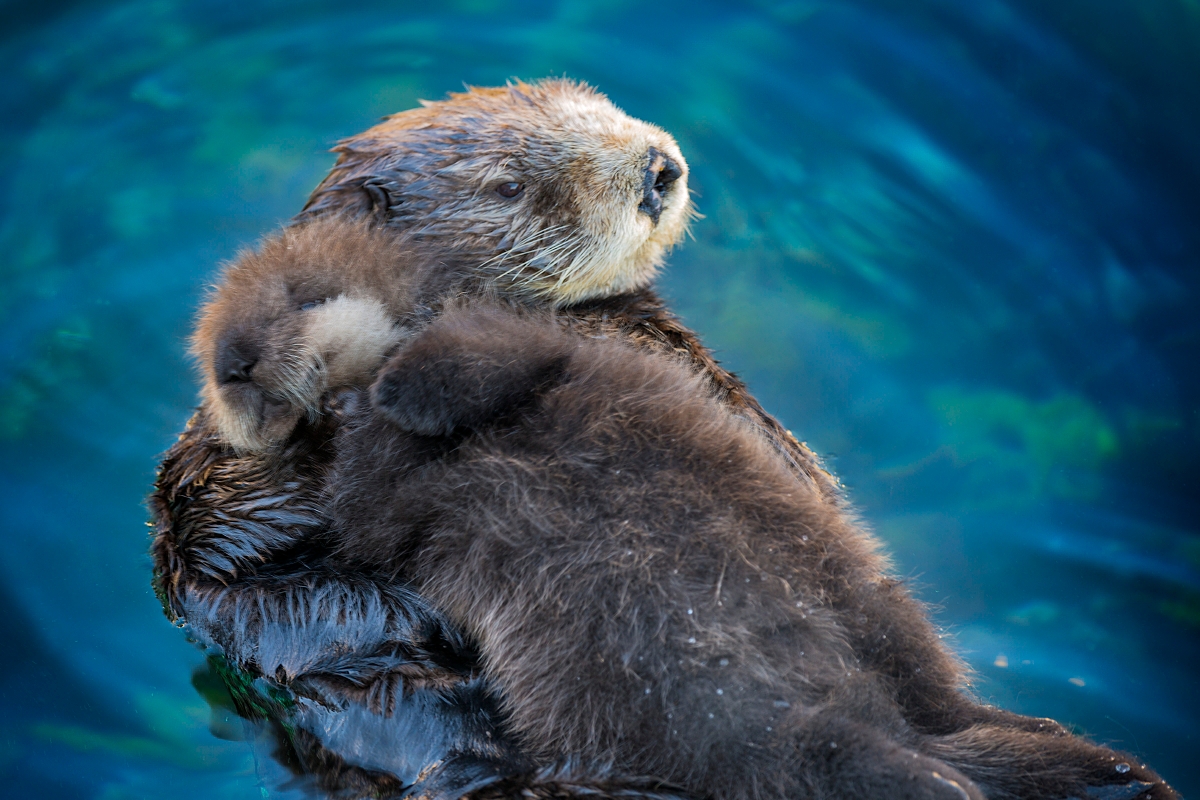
{"points": [[650, 585]]}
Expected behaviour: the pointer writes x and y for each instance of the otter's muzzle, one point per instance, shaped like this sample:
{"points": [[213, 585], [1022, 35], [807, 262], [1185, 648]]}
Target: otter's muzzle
{"points": [[237, 353], [661, 172]]}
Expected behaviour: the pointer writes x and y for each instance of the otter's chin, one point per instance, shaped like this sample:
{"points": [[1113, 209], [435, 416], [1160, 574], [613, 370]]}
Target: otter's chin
{"points": [[252, 421], [624, 260]]}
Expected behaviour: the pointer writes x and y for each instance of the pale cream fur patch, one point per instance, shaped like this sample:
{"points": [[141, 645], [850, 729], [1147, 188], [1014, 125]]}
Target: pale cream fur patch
{"points": [[352, 334]]}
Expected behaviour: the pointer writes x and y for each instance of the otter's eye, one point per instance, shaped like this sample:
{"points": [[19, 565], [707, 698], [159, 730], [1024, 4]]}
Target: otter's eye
{"points": [[310, 305], [510, 189]]}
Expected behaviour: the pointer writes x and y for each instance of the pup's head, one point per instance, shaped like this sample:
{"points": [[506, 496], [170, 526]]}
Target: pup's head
{"points": [[315, 308], [554, 190]]}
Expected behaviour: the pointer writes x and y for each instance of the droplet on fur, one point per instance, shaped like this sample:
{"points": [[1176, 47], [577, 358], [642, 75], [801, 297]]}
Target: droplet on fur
{"points": [[768, 728], [782, 704], [833, 745], [804, 538], [724, 662], [720, 691], [647, 690], [1122, 768], [689, 611], [691, 640], [710, 716]]}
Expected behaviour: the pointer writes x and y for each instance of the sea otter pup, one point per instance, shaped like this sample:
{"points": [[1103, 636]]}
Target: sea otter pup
{"points": [[649, 584], [630, 556]]}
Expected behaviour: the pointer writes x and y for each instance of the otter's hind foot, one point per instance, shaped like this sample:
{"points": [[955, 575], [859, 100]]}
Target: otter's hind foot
{"points": [[840, 758]]}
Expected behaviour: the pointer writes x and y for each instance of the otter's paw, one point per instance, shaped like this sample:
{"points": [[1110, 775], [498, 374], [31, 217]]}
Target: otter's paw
{"points": [[468, 369]]}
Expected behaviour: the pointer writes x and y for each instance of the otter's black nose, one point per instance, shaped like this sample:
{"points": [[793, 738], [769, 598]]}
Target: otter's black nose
{"points": [[236, 356], [661, 172]]}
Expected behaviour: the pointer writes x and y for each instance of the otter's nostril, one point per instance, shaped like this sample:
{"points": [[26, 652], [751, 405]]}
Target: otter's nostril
{"points": [[235, 358], [669, 173], [661, 172]]}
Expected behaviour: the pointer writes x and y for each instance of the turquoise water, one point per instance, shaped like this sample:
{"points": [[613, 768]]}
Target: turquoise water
{"points": [[955, 246]]}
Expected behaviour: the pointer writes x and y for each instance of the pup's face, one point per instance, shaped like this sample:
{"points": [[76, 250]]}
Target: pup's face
{"points": [[285, 327], [557, 192]]}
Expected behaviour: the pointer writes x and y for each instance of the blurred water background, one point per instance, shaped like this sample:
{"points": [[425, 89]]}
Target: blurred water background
{"points": [[953, 245]]}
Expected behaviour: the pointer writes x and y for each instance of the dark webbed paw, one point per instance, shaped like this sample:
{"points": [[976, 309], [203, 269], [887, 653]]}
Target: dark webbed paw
{"points": [[467, 369]]}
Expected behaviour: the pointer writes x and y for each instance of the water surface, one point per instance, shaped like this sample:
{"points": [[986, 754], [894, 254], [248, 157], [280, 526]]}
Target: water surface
{"points": [[954, 246]]}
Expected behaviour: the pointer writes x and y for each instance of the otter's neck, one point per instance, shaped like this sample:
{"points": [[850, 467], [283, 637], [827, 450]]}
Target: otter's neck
{"points": [[643, 317]]}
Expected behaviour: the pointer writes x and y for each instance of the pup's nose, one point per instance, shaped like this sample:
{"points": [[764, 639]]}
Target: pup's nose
{"points": [[236, 356], [661, 172]]}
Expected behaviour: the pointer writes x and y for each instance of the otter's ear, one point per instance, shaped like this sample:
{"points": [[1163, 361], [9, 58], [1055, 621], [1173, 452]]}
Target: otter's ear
{"points": [[468, 369]]}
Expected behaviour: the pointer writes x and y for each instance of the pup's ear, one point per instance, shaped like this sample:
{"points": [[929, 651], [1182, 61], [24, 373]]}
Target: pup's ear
{"points": [[469, 368]]}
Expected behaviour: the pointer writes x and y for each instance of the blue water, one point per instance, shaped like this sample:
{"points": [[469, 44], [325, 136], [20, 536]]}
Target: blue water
{"points": [[955, 246]]}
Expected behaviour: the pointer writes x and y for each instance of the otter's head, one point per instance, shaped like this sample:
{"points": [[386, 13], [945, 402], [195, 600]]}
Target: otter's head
{"points": [[556, 192], [315, 308]]}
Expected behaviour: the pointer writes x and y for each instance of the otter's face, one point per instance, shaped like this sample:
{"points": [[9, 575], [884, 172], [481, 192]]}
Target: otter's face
{"points": [[271, 345], [552, 188]]}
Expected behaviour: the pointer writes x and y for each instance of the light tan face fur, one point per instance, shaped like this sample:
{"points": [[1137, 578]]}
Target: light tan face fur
{"points": [[316, 308], [577, 230]]}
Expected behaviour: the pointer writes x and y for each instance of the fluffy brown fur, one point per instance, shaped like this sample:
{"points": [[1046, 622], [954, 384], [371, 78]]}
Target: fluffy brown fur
{"points": [[650, 585], [264, 300]]}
